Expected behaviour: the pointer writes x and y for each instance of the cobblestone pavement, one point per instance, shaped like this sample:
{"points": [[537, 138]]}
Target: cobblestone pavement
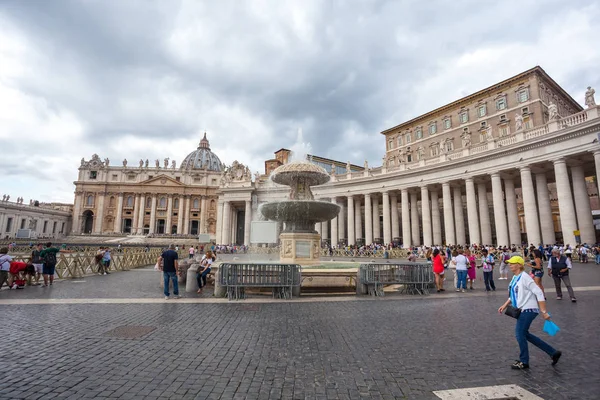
{"points": [[399, 347]]}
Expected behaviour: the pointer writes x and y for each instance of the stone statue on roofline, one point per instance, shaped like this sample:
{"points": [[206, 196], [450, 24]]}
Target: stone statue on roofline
{"points": [[589, 97], [348, 167], [141, 163], [166, 161], [125, 162], [518, 122], [157, 163], [366, 165], [146, 163], [553, 111], [173, 164], [106, 162]]}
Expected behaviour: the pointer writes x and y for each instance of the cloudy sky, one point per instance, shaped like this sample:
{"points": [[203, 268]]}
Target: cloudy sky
{"points": [[144, 79]]}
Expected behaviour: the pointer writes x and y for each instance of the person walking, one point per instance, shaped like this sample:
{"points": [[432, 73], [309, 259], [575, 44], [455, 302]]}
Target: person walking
{"points": [[169, 258], [471, 269], [38, 263], [49, 257], [106, 260], [461, 264], [558, 268], [438, 269], [526, 295], [537, 270], [487, 264], [98, 257], [191, 252], [5, 260], [504, 256]]}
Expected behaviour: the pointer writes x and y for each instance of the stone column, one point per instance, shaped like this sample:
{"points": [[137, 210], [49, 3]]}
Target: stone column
{"points": [[180, 213], [351, 228], [169, 222], [582, 206], [318, 227], [357, 219], [219, 228], [406, 237], [334, 226], [532, 222], [387, 228], [186, 216], [342, 222], [472, 216], [545, 209], [368, 220], [76, 213], [514, 228], [226, 233], [459, 216], [153, 215], [142, 213], [100, 213], [248, 222], [395, 220], [484, 215], [566, 208], [203, 211], [448, 214], [414, 219], [436, 223], [324, 230], [499, 213], [426, 216], [597, 162], [136, 214], [119, 218], [376, 220]]}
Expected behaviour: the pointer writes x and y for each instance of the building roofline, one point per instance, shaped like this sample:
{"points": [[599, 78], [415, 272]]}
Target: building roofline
{"points": [[537, 69], [334, 161]]}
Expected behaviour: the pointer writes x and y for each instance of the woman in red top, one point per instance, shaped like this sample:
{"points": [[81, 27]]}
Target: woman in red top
{"points": [[438, 270]]}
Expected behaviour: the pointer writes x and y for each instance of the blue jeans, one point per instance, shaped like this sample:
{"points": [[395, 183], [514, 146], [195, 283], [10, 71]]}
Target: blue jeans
{"points": [[201, 278], [461, 278], [488, 278], [172, 276], [597, 258], [523, 336]]}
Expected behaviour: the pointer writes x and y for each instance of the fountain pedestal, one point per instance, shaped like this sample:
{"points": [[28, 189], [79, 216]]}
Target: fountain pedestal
{"points": [[300, 248]]}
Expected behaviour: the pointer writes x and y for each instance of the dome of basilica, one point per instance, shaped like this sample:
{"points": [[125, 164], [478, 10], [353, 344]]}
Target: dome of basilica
{"points": [[202, 158]]}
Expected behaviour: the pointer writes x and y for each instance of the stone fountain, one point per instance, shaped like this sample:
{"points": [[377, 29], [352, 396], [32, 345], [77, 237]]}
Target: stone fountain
{"points": [[300, 243]]}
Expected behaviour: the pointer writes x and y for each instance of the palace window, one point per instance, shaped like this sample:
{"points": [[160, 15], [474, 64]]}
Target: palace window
{"points": [[148, 202], [131, 177], [178, 178], [407, 138], [45, 227], [213, 205], [504, 130], [527, 123], [93, 174], [111, 201], [501, 103], [432, 128], [503, 118], [483, 124], [449, 145], [525, 110], [162, 202], [54, 227], [23, 221], [482, 110], [447, 123], [176, 203], [196, 204], [399, 141], [419, 132], [9, 224], [89, 201], [523, 95], [409, 157], [464, 117], [434, 150], [115, 177], [390, 144], [129, 201]]}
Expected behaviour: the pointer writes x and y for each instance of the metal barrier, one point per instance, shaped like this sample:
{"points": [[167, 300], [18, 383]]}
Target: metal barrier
{"points": [[416, 277], [282, 278]]}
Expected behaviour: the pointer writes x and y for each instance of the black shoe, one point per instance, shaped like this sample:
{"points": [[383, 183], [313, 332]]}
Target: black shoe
{"points": [[556, 357], [574, 300], [519, 365]]}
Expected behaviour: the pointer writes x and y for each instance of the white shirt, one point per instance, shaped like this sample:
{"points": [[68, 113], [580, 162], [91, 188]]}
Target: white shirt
{"points": [[528, 292], [5, 260], [462, 262]]}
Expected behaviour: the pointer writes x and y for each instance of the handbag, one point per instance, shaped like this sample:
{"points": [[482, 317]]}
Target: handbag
{"points": [[512, 311]]}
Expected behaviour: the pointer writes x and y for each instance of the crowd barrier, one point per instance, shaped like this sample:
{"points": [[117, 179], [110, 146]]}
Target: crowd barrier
{"points": [[281, 278], [417, 278]]}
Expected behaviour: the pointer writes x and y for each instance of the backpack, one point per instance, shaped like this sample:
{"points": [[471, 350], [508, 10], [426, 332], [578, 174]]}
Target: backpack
{"points": [[505, 258], [50, 258]]}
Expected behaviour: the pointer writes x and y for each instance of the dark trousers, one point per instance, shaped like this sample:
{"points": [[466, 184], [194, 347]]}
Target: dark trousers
{"points": [[488, 278], [523, 336], [557, 285], [201, 278], [4, 278]]}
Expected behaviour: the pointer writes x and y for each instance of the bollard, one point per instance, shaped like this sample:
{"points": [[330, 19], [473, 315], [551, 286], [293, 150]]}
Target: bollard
{"points": [[220, 291], [191, 284]]}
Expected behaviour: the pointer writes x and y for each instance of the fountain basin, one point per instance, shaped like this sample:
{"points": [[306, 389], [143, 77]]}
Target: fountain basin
{"points": [[300, 215]]}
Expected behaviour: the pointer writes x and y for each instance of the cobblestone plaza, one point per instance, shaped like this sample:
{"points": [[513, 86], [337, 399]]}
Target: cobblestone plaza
{"points": [[115, 337]]}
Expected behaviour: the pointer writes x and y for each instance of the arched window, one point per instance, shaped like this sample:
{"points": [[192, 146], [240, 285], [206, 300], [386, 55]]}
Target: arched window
{"points": [[90, 200], [162, 202], [111, 201], [148, 202], [176, 203], [212, 204], [130, 201], [196, 204]]}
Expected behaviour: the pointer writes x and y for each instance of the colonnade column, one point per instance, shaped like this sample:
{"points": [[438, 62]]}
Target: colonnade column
{"points": [[597, 162], [368, 220], [118, 227], [247, 222], [387, 228], [351, 231], [484, 215], [499, 213], [136, 214], [459, 216], [219, 230], [180, 216], [334, 226], [153, 215], [318, 228], [186, 216], [582, 206], [568, 220], [226, 230], [376, 221], [169, 222], [141, 214], [357, 219], [426, 215], [324, 230], [406, 238], [202, 228], [100, 216], [545, 209], [448, 214], [342, 222], [532, 223], [514, 227], [395, 221], [436, 223], [472, 217], [414, 219]]}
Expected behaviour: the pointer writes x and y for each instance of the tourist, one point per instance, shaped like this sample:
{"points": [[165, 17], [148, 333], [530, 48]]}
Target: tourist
{"points": [[558, 269], [525, 295], [487, 264], [568, 251], [596, 251], [5, 260], [169, 258], [583, 251], [106, 260], [461, 263], [438, 269], [38, 263], [204, 269], [98, 258], [191, 252], [49, 257], [504, 256], [472, 270], [537, 270]]}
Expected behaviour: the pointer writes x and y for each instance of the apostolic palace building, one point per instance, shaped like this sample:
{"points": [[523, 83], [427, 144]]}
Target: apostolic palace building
{"points": [[514, 163]]}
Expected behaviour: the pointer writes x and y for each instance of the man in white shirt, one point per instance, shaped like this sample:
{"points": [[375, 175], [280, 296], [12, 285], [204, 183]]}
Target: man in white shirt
{"points": [[5, 260], [558, 268]]}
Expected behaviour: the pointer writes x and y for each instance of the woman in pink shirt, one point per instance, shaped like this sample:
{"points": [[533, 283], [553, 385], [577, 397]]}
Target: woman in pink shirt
{"points": [[471, 273]]}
